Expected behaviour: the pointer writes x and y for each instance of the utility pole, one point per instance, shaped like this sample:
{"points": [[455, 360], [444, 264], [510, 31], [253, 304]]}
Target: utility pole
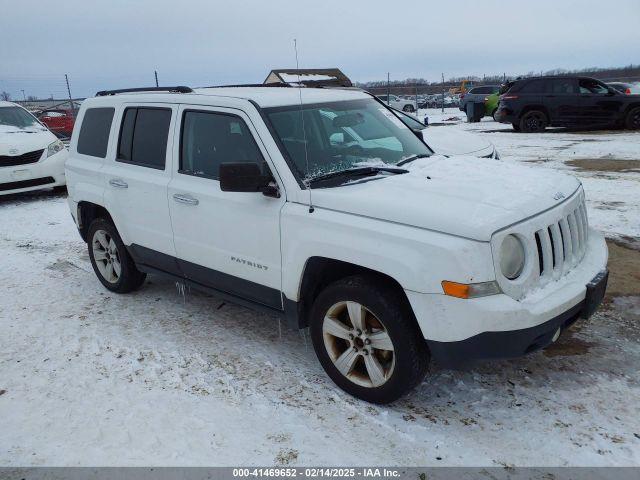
{"points": [[66, 78], [416, 98], [23, 96], [443, 92], [388, 87], [156, 74]]}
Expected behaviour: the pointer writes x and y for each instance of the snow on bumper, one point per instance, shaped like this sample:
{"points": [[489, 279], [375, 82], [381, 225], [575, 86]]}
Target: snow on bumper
{"points": [[48, 172], [448, 319]]}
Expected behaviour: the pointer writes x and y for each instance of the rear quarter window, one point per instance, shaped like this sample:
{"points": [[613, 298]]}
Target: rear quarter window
{"points": [[93, 139], [534, 86], [143, 136]]}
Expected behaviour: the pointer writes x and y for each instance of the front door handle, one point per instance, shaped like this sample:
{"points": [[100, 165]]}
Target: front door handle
{"points": [[118, 183], [185, 199]]}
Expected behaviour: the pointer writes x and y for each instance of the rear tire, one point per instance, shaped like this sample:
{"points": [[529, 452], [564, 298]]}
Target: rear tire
{"points": [[387, 358], [516, 127], [111, 262], [408, 108], [493, 114], [632, 121], [533, 121]]}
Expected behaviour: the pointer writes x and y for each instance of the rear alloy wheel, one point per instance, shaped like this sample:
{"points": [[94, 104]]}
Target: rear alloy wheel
{"points": [[632, 122], [366, 340], [533, 121], [110, 260]]}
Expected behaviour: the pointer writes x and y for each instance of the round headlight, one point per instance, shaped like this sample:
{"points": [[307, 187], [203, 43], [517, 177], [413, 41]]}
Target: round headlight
{"points": [[512, 257]]}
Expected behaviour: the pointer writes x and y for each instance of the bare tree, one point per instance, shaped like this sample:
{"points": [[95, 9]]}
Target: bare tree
{"points": [[5, 96]]}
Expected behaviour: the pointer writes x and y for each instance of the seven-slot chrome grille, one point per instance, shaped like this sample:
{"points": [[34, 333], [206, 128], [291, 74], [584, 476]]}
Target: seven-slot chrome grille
{"points": [[562, 242], [555, 242]]}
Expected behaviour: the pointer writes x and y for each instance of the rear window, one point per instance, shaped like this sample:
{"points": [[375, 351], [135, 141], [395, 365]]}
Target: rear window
{"points": [[484, 90], [143, 136], [505, 88], [534, 86], [94, 132], [561, 86]]}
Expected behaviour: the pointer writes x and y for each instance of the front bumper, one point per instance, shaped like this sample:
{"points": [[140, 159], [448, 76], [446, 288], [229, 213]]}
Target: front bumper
{"points": [[46, 173], [515, 343], [448, 323]]}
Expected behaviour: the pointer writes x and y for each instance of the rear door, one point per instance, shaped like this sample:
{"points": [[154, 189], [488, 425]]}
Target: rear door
{"points": [[562, 101], [136, 182], [229, 241]]}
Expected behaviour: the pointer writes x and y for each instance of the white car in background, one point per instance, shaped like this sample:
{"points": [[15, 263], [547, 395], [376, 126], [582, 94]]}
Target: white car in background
{"points": [[447, 141], [398, 103], [31, 157]]}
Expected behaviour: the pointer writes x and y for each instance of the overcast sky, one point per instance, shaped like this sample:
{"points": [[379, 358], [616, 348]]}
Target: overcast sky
{"points": [[117, 43]]}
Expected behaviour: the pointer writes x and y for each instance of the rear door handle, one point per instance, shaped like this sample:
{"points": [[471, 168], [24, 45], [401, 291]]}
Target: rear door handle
{"points": [[118, 183], [185, 199]]}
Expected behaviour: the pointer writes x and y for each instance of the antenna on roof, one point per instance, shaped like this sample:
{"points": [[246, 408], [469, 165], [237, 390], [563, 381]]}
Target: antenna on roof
{"points": [[304, 133]]}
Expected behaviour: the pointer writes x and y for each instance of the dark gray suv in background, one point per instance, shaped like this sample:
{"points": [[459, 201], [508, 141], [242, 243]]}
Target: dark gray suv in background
{"points": [[533, 104], [477, 95]]}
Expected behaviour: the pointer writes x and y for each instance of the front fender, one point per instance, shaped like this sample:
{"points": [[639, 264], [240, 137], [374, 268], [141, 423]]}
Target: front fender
{"points": [[418, 259]]}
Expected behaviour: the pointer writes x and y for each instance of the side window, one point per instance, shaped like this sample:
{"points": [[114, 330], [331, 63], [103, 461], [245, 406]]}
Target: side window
{"points": [[534, 86], [592, 86], [562, 86], [209, 139], [143, 136], [94, 132]]}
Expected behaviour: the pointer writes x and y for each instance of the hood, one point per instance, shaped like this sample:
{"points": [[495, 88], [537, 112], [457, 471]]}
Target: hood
{"points": [[16, 141], [447, 141], [464, 196]]}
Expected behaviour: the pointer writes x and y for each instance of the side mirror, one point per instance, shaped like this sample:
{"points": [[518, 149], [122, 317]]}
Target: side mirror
{"points": [[246, 177]]}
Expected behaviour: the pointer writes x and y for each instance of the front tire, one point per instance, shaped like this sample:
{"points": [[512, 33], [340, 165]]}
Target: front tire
{"points": [[111, 262], [533, 121], [408, 108], [367, 340], [632, 121]]}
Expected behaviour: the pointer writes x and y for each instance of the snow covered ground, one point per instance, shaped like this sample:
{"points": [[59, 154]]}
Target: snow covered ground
{"points": [[88, 377]]}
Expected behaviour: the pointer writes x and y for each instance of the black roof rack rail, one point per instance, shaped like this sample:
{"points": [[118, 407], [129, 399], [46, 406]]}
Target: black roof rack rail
{"points": [[277, 85], [178, 89]]}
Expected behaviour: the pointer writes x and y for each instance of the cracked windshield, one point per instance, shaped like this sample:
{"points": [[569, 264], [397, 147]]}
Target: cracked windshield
{"points": [[343, 135]]}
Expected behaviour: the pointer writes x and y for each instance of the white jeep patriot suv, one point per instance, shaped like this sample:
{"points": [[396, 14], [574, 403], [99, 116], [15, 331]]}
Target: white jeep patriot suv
{"points": [[321, 206]]}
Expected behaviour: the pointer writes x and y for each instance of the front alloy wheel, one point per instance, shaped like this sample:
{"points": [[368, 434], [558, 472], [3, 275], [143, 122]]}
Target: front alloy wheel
{"points": [[358, 344], [367, 339]]}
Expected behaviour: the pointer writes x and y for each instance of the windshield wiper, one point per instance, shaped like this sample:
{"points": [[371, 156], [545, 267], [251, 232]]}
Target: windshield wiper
{"points": [[411, 159], [354, 172]]}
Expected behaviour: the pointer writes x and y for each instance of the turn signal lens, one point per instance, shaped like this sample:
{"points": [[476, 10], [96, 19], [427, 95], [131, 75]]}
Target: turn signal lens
{"points": [[470, 290]]}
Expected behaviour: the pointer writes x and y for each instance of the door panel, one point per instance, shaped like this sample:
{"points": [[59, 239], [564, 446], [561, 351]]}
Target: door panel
{"points": [[597, 106], [136, 196], [229, 241], [562, 101]]}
